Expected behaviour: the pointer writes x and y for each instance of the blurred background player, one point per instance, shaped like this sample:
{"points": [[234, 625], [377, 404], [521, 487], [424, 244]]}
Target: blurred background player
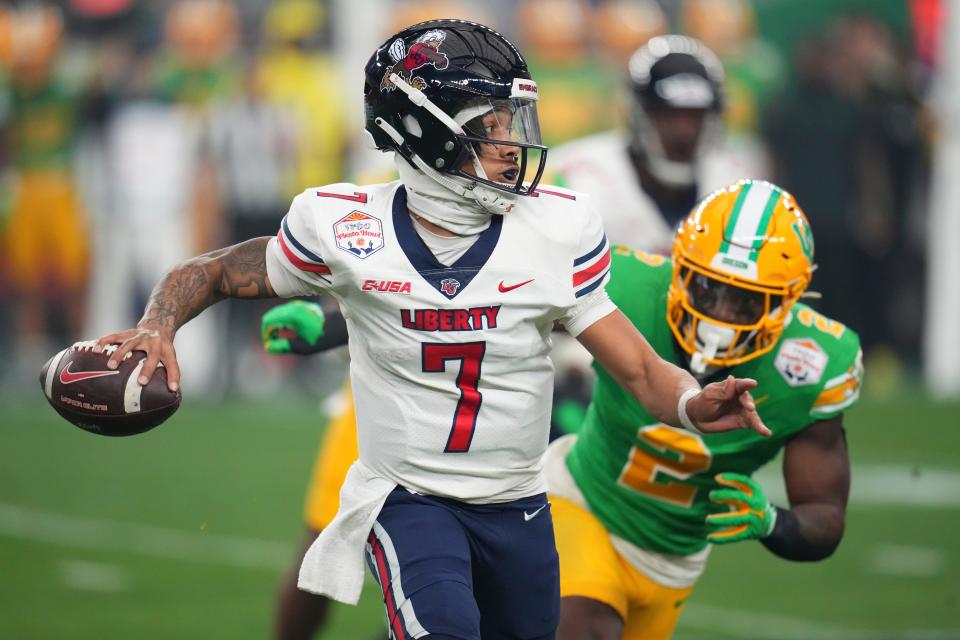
{"points": [[161, 173], [637, 504], [45, 238], [646, 178]]}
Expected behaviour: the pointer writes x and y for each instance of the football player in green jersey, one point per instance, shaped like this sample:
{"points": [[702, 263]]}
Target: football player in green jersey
{"points": [[638, 504]]}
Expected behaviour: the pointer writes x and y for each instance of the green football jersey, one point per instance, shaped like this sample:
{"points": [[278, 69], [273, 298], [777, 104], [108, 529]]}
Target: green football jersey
{"points": [[647, 482], [45, 126]]}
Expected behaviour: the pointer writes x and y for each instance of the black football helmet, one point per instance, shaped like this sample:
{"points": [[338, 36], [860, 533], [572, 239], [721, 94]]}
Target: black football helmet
{"points": [[673, 72], [431, 91]]}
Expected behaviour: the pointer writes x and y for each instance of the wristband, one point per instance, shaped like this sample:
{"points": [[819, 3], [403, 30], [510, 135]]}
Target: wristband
{"points": [[685, 420]]}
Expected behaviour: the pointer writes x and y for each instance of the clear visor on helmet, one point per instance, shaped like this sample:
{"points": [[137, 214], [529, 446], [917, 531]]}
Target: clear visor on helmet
{"points": [[504, 137], [727, 303]]}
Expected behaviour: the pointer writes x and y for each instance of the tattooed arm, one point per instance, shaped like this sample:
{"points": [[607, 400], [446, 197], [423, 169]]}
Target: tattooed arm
{"points": [[239, 271], [190, 287]]}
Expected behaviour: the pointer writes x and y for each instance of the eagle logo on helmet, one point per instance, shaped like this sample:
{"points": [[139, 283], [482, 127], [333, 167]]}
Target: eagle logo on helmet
{"points": [[426, 50]]}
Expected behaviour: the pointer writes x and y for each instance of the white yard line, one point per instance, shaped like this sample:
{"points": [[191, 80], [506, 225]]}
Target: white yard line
{"points": [[95, 576], [765, 626], [907, 561], [110, 535]]}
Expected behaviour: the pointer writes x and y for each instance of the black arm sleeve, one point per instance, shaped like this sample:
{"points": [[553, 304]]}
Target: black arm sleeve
{"points": [[334, 335], [334, 332], [787, 541]]}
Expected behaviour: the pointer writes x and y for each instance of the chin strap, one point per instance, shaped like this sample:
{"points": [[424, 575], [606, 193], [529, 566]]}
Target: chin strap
{"points": [[490, 200], [420, 99]]}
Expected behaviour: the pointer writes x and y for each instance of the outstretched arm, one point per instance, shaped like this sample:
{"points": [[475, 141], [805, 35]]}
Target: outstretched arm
{"points": [[187, 289], [659, 385]]}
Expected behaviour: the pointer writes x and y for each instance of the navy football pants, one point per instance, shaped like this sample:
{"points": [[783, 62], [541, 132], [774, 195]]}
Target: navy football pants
{"points": [[466, 571]]}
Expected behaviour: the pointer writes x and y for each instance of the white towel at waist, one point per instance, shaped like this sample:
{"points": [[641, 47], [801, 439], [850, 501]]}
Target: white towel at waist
{"points": [[334, 564]]}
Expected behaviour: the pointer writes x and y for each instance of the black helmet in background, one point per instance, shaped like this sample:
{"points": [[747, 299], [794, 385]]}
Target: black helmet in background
{"points": [[676, 102]]}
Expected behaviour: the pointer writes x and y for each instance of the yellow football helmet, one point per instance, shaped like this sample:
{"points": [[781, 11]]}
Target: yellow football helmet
{"points": [[741, 259]]}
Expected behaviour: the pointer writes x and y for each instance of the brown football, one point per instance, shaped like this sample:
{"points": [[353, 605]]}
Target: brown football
{"points": [[81, 388]]}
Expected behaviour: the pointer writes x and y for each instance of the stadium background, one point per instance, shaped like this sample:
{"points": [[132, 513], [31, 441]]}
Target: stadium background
{"points": [[181, 126]]}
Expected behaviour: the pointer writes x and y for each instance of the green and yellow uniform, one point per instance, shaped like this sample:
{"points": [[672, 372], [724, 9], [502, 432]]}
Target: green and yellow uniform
{"points": [[641, 488], [46, 238]]}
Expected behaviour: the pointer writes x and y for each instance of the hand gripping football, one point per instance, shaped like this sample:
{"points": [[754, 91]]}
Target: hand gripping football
{"points": [[108, 402]]}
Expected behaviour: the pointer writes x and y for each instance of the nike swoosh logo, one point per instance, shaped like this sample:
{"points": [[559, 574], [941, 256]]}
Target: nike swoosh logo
{"points": [[504, 288], [527, 517], [67, 376]]}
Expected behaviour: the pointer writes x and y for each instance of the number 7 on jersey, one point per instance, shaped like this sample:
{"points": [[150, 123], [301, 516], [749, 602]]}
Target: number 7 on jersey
{"points": [[470, 355]]}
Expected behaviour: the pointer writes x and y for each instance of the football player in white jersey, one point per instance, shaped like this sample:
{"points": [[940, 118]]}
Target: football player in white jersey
{"points": [[451, 280], [644, 180]]}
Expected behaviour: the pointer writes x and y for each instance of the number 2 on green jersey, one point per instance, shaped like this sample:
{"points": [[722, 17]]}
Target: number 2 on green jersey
{"points": [[667, 457]]}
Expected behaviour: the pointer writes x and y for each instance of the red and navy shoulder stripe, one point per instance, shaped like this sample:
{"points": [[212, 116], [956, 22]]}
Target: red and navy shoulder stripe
{"points": [[298, 255], [590, 269]]}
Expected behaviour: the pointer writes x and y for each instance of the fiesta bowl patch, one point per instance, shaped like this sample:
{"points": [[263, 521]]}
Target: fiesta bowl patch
{"points": [[359, 234], [801, 361]]}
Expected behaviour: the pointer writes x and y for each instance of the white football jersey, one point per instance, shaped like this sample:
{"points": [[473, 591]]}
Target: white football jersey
{"points": [[449, 367], [600, 166]]}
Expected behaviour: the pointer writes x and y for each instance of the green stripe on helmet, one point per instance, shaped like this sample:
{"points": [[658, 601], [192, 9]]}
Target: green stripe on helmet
{"points": [[764, 222], [732, 224]]}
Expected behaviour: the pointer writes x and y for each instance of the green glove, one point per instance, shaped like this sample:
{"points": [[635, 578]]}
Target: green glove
{"points": [[293, 327], [751, 516]]}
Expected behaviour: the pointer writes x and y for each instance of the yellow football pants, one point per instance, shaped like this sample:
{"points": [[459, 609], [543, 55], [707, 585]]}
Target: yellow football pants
{"points": [[47, 239], [338, 450], [590, 567]]}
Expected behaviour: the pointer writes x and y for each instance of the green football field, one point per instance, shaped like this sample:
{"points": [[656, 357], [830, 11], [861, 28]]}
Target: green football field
{"points": [[184, 532]]}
